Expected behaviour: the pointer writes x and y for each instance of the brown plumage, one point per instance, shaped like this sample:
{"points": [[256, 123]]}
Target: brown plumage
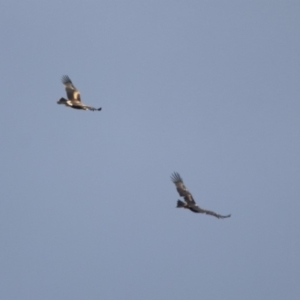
{"points": [[74, 100], [190, 203]]}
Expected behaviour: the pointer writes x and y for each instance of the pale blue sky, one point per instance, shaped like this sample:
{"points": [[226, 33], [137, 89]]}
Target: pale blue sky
{"points": [[209, 89]]}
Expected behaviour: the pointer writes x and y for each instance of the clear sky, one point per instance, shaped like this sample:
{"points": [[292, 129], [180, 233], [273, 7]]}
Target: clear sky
{"points": [[209, 89]]}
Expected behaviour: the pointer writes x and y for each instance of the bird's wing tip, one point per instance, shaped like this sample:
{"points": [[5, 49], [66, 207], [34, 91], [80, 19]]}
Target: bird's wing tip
{"points": [[66, 79], [175, 177]]}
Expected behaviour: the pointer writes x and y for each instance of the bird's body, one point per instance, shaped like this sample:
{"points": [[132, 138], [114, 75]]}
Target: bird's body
{"points": [[73, 95], [189, 200]]}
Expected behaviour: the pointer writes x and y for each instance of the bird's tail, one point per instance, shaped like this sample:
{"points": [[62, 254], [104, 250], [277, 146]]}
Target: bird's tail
{"points": [[180, 204]]}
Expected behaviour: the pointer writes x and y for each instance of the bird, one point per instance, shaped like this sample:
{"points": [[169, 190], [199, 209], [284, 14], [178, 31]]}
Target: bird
{"points": [[190, 203], [73, 95]]}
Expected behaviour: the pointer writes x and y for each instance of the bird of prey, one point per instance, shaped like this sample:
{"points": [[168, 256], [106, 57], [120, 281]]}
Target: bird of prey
{"points": [[189, 200], [73, 94]]}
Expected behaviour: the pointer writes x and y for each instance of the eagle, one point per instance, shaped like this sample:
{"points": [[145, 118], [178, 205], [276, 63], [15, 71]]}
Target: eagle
{"points": [[189, 200], [73, 94]]}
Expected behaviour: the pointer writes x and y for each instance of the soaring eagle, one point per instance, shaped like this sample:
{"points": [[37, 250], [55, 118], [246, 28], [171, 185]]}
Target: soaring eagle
{"points": [[73, 94], [189, 200]]}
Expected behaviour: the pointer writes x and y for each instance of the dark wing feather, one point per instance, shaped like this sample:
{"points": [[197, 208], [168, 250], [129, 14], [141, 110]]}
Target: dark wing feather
{"points": [[212, 213], [181, 188], [92, 108], [72, 92]]}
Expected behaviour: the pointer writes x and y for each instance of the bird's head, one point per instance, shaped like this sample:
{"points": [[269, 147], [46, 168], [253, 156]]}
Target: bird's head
{"points": [[62, 101]]}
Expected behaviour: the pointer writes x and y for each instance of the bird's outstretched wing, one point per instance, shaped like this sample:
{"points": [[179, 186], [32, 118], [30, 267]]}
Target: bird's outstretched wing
{"points": [[181, 189], [91, 108], [72, 92], [212, 213]]}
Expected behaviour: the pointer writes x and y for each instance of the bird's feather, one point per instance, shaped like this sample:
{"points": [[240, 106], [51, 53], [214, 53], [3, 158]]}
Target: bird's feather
{"points": [[190, 202], [181, 188], [72, 92]]}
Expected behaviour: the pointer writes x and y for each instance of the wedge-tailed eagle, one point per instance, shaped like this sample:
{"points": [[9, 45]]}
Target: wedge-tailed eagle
{"points": [[189, 200], [73, 95]]}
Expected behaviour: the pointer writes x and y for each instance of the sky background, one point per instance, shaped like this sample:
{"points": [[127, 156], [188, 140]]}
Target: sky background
{"points": [[209, 89]]}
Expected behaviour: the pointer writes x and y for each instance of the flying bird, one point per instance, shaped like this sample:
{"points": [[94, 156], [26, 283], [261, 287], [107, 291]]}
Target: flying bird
{"points": [[189, 200], [73, 95]]}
